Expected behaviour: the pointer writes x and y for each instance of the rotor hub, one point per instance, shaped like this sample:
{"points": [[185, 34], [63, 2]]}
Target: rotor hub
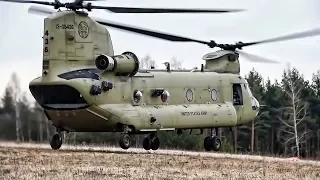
{"points": [[212, 44], [76, 5]]}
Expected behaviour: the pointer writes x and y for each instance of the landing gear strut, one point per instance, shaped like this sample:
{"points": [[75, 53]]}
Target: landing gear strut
{"points": [[151, 142], [56, 140], [212, 142]]}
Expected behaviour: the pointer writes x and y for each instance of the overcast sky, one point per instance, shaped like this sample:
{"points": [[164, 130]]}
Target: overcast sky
{"points": [[21, 42]]}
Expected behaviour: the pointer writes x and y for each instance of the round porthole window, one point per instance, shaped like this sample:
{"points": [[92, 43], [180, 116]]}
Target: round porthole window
{"points": [[189, 95], [214, 95], [165, 96], [137, 95]]}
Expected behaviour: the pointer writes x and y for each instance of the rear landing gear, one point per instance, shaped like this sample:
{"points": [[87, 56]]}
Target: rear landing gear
{"points": [[151, 142], [212, 142], [56, 141]]}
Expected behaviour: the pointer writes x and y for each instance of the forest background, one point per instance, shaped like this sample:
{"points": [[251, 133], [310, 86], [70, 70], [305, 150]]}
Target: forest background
{"points": [[287, 125]]}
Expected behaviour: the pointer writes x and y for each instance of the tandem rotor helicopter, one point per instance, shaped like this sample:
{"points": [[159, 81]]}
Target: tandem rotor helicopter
{"points": [[85, 87]]}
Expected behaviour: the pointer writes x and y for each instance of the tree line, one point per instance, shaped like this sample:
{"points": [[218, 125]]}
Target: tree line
{"points": [[287, 125]]}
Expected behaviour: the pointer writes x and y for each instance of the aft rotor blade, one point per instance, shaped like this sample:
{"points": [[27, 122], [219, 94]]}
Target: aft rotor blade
{"points": [[164, 10], [34, 2], [151, 33], [255, 58], [304, 34], [137, 30]]}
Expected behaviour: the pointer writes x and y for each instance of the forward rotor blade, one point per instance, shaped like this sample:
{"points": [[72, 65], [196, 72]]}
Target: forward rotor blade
{"points": [[151, 33], [255, 58], [40, 10], [34, 2], [164, 10], [309, 33]]}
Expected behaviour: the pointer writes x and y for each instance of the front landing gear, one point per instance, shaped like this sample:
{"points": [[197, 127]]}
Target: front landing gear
{"points": [[212, 142], [125, 138], [56, 141], [151, 142]]}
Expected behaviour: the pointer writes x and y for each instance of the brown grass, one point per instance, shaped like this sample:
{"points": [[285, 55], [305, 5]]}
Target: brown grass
{"points": [[22, 161]]}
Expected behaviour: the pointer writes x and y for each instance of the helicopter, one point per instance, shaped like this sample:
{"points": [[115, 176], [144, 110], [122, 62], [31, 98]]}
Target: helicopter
{"points": [[85, 87]]}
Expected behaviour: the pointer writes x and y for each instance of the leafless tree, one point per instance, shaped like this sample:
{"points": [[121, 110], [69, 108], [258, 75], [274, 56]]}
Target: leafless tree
{"points": [[39, 116], [256, 124], [14, 86], [295, 112], [146, 62], [23, 107], [175, 64]]}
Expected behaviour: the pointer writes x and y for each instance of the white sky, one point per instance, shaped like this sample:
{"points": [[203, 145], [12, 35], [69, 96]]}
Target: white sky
{"points": [[21, 42]]}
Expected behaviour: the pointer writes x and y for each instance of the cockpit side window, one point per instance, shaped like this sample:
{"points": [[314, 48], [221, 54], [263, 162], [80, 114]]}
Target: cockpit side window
{"points": [[237, 94]]}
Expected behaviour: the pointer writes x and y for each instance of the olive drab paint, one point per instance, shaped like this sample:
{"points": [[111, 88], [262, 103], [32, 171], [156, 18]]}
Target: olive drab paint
{"points": [[194, 99], [85, 87], [71, 41]]}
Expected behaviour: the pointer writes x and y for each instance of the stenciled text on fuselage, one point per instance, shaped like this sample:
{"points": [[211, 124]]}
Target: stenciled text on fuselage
{"points": [[194, 113]]}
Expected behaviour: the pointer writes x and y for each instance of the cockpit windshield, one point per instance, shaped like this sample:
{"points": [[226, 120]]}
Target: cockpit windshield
{"points": [[254, 102], [248, 88]]}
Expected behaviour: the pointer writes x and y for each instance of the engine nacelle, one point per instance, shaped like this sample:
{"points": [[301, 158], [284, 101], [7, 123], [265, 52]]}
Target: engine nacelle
{"points": [[126, 64], [222, 61]]}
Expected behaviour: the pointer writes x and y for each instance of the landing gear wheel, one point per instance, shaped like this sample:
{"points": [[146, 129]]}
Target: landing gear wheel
{"points": [[56, 141], [125, 141], [146, 143], [212, 143], [153, 144], [216, 143], [207, 143]]}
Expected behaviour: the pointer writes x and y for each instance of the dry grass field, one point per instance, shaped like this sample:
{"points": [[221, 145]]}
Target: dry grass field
{"points": [[34, 161]]}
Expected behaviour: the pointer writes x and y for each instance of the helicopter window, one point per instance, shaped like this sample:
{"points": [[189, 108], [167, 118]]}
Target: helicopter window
{"points": [[81, 73], [248, 88], [137, 95], [237, 94], [165, 96], [249, 91]]}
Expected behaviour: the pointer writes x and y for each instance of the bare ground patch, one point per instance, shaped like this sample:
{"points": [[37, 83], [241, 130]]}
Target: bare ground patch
{"points": [[29, 161]]}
